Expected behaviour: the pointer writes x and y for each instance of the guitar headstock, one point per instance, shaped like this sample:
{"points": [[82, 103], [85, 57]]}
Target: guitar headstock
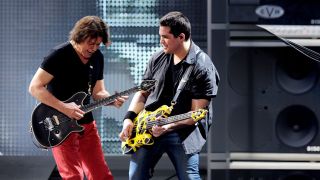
{"points": [[147, 84], [198, 114]]}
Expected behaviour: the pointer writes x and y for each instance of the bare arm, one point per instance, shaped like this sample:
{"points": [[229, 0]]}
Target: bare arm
{"points": [[99, 92], [138, 101], [136, 105], [37, 89]]}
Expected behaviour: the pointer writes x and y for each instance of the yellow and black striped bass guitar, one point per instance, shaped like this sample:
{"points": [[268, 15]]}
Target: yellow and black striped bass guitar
{"points": [[146, 119]]}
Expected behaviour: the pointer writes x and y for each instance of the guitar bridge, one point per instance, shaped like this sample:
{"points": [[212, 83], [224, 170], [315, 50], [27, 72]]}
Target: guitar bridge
{"points": [[48, 123]]}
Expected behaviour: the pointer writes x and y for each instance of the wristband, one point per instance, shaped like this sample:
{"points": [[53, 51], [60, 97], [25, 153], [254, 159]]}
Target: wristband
{"points": [[130, 115]]}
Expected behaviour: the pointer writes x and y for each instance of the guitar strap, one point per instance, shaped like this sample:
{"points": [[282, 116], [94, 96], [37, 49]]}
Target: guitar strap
{"points": [[183, 82], [90, 79], [302, 49]]}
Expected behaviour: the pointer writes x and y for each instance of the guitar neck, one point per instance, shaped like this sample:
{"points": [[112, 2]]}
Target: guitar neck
{"points": [[169, 120], [92, 106]]}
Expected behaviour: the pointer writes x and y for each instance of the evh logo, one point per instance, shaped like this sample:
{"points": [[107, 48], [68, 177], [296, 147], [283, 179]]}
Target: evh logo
{"points": [[269, 11]]}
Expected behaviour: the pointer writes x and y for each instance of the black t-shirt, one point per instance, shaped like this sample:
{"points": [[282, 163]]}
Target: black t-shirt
{"points": [[169, 90], [172, 79], [71, 75]]}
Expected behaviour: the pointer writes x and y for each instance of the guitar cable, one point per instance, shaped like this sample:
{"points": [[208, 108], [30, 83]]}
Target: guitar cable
{"points": [[49, 138], [302, 49]]}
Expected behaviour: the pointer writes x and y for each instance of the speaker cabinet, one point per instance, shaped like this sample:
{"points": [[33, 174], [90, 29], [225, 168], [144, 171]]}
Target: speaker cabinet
{"points": [[274, 12], [270, 100]]}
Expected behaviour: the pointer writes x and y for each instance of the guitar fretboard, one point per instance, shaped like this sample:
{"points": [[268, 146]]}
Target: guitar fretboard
{"points": [[90, 107], [169, 120]]}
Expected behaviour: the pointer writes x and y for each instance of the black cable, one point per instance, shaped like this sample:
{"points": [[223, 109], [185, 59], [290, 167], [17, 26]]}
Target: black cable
{"points": [[302, 49]]}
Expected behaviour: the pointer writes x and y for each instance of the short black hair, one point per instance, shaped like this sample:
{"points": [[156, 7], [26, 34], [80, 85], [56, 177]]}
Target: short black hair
{"points": [[178, 23]]}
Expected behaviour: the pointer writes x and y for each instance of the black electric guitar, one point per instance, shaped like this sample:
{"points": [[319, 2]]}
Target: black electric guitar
{"points": [[50, 127], [146, 119]]}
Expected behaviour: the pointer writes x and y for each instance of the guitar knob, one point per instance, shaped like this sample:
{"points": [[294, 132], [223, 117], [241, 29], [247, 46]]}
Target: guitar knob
{"points": [[56, 131]]}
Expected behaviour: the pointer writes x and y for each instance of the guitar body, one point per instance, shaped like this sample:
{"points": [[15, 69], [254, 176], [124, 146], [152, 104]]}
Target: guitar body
{"points": [[142, 136], [146, 120], [51, 127]]}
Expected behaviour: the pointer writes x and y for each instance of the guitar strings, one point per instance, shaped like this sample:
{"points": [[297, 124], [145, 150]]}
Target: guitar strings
{"points": [[87, 108], [62, 118], [151, 123], [172, 118]]}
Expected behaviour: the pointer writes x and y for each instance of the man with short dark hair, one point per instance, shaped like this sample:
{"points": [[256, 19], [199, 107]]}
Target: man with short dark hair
{"points": [[181, 140]]}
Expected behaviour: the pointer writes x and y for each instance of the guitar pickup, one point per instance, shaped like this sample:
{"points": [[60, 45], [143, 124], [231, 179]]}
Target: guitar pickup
{"points": [[48, 124], [56, 120]]}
